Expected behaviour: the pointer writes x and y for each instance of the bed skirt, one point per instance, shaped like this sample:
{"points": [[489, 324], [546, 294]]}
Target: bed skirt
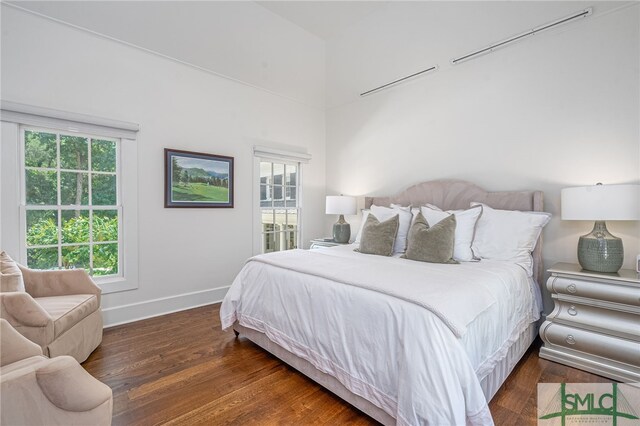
{"points": [[490, 384]]}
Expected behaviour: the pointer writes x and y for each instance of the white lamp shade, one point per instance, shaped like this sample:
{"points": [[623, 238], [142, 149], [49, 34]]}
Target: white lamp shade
{"points": [[341, 204], [601, 202]]}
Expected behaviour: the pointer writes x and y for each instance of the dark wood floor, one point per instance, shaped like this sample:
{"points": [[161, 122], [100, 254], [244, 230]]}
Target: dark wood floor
{"points": [[182, 369]]}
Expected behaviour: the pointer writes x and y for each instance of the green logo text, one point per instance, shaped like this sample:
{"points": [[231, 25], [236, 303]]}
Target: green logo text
{"points": [[612, 404]]}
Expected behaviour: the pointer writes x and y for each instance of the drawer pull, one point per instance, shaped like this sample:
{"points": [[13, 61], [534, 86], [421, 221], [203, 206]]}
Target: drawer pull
{"points": [[571, 288], [572, 311], [570, 340]]}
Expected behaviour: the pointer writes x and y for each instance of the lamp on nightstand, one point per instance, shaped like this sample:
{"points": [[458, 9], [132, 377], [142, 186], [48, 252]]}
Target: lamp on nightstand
{"points": [[599, 250], [341, 204]]}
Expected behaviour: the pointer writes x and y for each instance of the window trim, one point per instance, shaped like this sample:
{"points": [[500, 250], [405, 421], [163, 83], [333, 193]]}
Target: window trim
{"points": [[31, 115], [277, 154], [12, 163]]}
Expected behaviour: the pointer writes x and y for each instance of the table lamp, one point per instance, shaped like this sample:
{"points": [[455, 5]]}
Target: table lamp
{"points": [[600, 251], [341, 204]]}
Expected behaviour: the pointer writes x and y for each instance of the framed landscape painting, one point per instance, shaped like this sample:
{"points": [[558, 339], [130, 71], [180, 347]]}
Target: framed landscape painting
{"points": [[194, 179]]}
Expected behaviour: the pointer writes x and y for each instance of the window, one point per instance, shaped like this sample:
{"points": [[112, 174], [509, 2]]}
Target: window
{"points": [[279, 205], [72, 213], [74, 178], [278, 198]]}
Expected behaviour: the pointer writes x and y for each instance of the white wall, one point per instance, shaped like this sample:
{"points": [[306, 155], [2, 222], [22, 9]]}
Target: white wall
{"points": [[238, 39], [184, 253], [558, 109]]}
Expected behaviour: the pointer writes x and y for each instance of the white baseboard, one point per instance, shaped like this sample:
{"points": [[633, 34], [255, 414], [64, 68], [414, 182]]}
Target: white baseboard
{"points": [[152, 308]]}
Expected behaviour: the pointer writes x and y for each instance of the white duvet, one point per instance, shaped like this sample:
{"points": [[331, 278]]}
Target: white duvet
{"points": [[413, 338]]}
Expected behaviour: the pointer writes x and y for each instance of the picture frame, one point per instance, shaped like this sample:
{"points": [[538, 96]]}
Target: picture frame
{"points": [[197, 180]]}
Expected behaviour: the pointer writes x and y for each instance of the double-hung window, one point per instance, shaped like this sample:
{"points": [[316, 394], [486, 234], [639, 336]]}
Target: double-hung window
{"points": [[71, 208], [278, 199], [279, 207], [69, 194]]}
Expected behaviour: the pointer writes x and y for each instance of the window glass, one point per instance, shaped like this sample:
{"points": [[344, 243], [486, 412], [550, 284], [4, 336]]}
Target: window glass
{"points": [[43, 258], [42, 228], [74, 153], [279, 207], [103, 155], [40, 150], [75, 226], [41, 187], [104, 190], [74, 188]]}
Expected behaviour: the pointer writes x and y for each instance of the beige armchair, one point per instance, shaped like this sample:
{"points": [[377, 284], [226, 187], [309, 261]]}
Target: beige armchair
{"points": [[35, 390], [58, 310]]}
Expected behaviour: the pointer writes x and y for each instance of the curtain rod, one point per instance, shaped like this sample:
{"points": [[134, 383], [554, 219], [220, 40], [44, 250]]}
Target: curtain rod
{"points": [[368, 92], [582, 14]]}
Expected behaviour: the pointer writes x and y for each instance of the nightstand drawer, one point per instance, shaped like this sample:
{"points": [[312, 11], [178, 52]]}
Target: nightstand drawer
{"points": [[609, 347], [594, 290], [606, 321]]}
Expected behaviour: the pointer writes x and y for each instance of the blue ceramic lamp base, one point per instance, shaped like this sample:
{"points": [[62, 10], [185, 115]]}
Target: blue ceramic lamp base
{"points": [[599, 251]]}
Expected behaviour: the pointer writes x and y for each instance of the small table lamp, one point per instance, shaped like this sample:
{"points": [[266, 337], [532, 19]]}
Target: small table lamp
{"points": [[341, 204], [599, 250]]}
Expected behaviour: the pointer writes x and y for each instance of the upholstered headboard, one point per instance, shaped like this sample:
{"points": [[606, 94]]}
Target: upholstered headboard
{"points": [[458, 194]]}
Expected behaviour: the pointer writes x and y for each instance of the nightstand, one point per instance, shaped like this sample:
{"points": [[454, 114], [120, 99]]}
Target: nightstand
{"points": [[320, 242], [595, 325]]}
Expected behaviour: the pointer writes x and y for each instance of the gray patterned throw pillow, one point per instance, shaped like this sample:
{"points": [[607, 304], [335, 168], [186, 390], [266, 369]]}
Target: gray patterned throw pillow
{"points": [[431, 244], [378, 237]]}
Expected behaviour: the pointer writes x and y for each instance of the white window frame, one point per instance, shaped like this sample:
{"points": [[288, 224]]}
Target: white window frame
{"points": [[267, 154], [15, 118]]}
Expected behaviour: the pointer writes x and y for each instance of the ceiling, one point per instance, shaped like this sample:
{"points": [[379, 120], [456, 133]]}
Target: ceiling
{"points": [[324, 19], [322, 53]]}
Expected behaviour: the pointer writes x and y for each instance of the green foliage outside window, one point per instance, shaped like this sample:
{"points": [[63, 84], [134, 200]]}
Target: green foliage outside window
{"points": [[44, 231], [46, 186], [40, 150]]}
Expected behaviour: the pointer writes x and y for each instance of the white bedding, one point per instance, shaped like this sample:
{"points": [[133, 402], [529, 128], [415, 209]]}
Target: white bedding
{"points": [[391, 350]]}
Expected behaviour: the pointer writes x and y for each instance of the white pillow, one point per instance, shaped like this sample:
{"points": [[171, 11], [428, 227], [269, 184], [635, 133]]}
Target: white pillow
{"points": [[465, 228], [508, 235], [386, 213], [365, 214], [399, 206], [414, 211]]}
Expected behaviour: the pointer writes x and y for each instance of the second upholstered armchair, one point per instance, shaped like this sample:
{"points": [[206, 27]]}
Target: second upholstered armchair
{"points": [[35, 390], [58, 310]]}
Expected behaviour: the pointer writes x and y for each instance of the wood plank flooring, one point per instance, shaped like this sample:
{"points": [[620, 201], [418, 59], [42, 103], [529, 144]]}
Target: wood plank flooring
{"points": [[182, 369]]}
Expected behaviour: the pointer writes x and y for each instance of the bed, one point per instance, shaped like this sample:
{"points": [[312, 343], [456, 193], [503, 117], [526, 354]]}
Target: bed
{"points": [[368, 329]]}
